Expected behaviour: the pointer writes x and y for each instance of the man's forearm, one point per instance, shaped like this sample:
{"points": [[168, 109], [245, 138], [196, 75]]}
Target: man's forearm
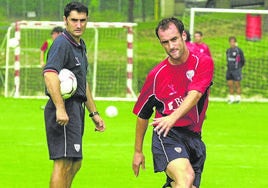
{"points": [[90, 104], [53, 86], [189, 102], [141, 127]]}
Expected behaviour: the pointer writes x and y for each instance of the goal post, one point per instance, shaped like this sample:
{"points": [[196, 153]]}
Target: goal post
{"points": [[110, 52], [217, 26]]}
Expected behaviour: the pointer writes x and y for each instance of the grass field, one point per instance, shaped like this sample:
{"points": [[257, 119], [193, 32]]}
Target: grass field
{"points": [[235, 135]]}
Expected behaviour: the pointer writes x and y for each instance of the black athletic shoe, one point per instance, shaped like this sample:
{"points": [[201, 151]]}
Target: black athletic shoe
{"points": [[168, 181]]}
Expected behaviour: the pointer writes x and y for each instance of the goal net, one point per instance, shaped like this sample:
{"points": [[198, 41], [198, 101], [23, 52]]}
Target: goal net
{"points": [[217, 25], [109, 50]]}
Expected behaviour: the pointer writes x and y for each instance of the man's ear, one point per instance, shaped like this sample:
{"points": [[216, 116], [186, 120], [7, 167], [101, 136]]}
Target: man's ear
{"points": [[184, 35], [65, 20]]}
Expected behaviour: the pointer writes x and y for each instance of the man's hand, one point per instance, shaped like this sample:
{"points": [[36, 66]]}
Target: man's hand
{"points": [[62, 117], [138, 160], [99, 123], [163, 124]]}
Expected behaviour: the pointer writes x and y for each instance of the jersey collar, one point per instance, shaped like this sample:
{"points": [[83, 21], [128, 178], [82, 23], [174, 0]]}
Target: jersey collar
{"points": [[70, 38]]}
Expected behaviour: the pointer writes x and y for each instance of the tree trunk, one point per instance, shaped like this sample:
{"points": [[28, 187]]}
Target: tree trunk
{"points": [[143, 10], [130, 10]]}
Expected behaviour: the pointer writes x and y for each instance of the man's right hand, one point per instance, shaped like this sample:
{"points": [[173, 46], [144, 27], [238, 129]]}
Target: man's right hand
{"points": [[62, 117], [138, 160]]}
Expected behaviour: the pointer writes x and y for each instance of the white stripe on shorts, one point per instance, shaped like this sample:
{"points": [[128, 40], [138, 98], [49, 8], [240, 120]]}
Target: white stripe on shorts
{"points": [[163, 147], [65, 141]]}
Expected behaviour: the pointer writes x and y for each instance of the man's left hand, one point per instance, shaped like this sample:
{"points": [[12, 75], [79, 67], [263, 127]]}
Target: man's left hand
{"points": [[99, 123], [163, 124]]}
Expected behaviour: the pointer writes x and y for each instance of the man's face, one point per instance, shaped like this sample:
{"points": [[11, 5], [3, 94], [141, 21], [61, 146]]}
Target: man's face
{"points": [[172, 42], [232, 43], [197, 38], [76, 23]]}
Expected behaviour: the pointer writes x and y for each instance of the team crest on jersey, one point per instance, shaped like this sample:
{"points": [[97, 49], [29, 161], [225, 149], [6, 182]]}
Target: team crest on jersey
{"points": [[172, 88], [77, 147], [190, 74], [234, 53], [178, 149]]}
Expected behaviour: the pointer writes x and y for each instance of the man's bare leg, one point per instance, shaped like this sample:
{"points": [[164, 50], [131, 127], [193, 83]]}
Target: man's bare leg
{"points": [[63, 173], [181, 171]]}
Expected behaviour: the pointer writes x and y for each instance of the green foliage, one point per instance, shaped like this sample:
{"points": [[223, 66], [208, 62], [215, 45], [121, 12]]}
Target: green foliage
{"points": [[107, 16], [53, 10]]}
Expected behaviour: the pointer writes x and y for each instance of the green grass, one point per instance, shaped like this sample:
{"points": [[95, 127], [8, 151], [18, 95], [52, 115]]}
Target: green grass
{"points": [[235, 135]]}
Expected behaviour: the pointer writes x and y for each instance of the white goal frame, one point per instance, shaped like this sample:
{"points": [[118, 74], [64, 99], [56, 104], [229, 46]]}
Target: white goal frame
{"points": [[193, 11], [130, 94]]}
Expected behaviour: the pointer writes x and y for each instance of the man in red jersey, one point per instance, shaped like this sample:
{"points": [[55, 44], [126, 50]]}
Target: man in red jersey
{"points": [[177, 88], [203, 48], [191, 46]]}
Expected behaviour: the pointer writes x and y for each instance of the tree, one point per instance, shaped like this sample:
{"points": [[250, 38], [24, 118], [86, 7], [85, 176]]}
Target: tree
{"points": [[130, 10]]}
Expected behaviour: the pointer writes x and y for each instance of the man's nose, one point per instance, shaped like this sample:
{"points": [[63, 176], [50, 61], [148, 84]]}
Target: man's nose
{"points": [[171, 44], [78, 24]]}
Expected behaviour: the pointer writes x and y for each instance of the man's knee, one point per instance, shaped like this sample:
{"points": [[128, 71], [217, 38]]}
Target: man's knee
{"points": [[66, 166], [181, 171]]}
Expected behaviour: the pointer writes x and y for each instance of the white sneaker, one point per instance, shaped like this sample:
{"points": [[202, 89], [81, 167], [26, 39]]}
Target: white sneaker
{"points": [[237, 98], [231, 99]]}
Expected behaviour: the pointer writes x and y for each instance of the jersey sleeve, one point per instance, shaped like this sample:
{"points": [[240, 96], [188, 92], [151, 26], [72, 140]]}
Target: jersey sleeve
{"points": [[44, 46], [57, 55], [146, 100], [208, 51], [203, 75], [242, 57]]}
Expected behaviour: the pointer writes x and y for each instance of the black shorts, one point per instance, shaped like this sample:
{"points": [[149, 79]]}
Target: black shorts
{"points": [[65, 141], [235, 75], [179, 143]]}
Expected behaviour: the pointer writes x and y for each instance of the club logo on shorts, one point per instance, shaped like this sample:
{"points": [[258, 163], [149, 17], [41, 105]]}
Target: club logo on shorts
{"points": [[190, 74], [77, 147], [178, 149]]}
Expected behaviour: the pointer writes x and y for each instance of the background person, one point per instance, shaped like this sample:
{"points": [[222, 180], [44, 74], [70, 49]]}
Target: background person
{"points": [[177, 88], [235, 62], [198, 41], [191, 46], [56, 31], [64, 119]]}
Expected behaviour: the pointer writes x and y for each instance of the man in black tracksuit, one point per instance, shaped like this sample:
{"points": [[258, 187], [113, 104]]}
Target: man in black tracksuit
{"points": [[235, 61]]}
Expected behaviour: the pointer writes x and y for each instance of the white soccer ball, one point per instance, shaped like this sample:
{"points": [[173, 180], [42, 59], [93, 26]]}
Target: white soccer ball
{"points": [[111, 111], [13, 42], [68, 83]]}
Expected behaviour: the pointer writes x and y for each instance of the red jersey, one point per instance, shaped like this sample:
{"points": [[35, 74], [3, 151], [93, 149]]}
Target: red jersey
{"points": [[203, 48], [167, 85], [192, 47], [44, 47]]}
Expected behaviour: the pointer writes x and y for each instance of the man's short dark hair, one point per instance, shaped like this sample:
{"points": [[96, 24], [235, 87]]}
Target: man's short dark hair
{"points": [[232, 38], [79, 7], [199, 32], [188, 36], [57, 30], [164, 24]]}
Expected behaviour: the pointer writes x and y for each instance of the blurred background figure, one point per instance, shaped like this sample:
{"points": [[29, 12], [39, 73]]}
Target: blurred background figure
{"points": [[235, 61], [191, 46], [56, 31], [198, 41]]}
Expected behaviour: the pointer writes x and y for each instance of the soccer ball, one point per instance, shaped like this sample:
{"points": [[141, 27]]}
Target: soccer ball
{"points": [[13, 42], [68, 83], [111, 111]]}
